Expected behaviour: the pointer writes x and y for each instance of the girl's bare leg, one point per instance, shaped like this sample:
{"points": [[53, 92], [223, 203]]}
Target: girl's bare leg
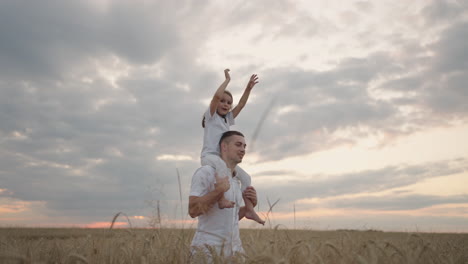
{"points": [[225, 203], [250, 212]]}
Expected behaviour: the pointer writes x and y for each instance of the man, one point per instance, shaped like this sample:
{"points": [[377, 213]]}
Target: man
{"points": [[218, 229]]}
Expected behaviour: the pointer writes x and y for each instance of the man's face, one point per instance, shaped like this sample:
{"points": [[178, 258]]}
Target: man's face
{"points": [[235, 148]]}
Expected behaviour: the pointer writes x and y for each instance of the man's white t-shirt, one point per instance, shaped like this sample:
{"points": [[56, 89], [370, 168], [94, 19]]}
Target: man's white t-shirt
{"points": [[218, 228], [215, 126]]}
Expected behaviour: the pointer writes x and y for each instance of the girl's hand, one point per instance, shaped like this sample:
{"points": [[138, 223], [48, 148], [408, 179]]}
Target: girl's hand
{"points": [[226, 74], [252, 82], [251, 194]]}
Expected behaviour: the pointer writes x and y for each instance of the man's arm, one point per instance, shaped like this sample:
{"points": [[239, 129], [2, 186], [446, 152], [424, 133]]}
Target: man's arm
{"points": [[251, 194], [199, 205], [245, 96]]}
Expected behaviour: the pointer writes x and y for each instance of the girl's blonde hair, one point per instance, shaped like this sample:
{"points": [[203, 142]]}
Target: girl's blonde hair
{"points": [[226, 92]]}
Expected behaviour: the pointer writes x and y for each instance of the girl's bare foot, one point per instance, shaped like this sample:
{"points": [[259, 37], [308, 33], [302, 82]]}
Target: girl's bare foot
{"points": [[252, 215], [225, 203]]}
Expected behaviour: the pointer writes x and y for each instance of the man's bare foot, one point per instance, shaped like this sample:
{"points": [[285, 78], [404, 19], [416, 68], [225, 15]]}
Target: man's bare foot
{"points": [[252, 215], [225, 203]]}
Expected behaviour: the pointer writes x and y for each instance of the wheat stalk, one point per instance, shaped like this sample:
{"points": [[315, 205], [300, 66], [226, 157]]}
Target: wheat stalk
{"points": [[180, 196], [115, 218], [294, 210], [260, 123], [78, 258], [319, 259], [330, 245], [361, 259], [21, 259], [270, 210]]}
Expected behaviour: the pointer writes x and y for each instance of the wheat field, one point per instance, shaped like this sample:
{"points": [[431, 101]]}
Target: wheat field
{"points": [[277, 245]]}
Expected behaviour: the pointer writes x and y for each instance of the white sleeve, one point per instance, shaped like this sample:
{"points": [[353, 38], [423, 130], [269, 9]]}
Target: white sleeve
{"points": [[208, 115], [244, 178], [200, 185]]}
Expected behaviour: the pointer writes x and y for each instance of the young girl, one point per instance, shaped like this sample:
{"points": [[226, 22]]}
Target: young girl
{"points": [[217, 120]]}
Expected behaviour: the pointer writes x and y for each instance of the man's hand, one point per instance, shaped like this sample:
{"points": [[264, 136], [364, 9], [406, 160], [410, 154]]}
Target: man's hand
{"points": [[226, 74], [251, 194], [222, 183], [252, 82], [200, 205]]}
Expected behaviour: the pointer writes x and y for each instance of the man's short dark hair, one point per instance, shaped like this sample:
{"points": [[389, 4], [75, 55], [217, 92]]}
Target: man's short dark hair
{"points": [[228, 134]]}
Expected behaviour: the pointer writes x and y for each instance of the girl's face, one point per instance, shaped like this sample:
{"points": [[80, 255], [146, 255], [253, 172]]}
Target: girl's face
{"points": [[225, 104]]}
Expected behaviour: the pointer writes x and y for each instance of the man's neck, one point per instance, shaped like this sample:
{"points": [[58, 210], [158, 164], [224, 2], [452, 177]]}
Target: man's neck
{"points": [[231, 166]]}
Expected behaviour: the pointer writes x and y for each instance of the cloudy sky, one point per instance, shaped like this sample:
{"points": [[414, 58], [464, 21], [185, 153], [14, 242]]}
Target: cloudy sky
{"points": [[360, 119]]}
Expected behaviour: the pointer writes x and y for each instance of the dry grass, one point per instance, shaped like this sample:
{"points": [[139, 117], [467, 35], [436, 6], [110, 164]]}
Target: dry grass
{"points": [[38, 245]]}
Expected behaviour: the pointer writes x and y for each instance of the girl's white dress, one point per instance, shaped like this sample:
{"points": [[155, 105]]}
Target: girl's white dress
{"points": [[215, 126]]}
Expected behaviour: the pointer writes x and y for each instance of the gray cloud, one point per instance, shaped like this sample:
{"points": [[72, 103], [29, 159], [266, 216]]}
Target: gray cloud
{"points": [[274, 173], [438, 11], [405, 202], [363, 6], [58, 144], [438, 86], [372, 180], [326, 101], [88, 147], [341, 98], [450, 50], [39, 41]]}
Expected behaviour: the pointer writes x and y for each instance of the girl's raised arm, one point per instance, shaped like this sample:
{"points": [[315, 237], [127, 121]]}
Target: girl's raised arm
{"points": [[245, 96], [219, 93]]}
